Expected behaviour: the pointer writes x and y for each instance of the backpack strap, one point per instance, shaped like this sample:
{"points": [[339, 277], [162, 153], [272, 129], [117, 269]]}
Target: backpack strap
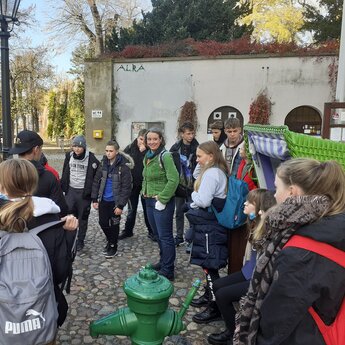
{"points": [[35, 230], [45, 226], [161, 163], [323, 249], [327, 251]]}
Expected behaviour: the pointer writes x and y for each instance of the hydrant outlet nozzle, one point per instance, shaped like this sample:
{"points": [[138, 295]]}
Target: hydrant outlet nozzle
{"points": [[189, 297]]}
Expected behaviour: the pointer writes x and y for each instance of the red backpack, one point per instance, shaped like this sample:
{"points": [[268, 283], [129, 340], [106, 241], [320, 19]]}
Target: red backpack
{"points": [[333, 334]]}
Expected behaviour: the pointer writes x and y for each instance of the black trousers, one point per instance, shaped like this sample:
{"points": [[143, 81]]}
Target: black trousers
{"points": [[132, 211], [109, 223], [80, 208], [230, 289]]}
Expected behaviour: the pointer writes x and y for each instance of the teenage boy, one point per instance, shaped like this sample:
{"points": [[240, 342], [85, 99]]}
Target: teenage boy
{"points": [[78, 172], [231, 150], [28, 146], [186, 146], [217, 129], [137, 151], [232, 144]]}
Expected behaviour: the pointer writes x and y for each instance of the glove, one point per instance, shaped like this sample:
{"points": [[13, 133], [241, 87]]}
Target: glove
{"points": [[159, 206]]}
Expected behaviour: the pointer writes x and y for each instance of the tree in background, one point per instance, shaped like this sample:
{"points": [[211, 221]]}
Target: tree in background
{"points": [[170, 21], [89, 21], [273, 20], [30, 78], [324, 20], [66, 109]]}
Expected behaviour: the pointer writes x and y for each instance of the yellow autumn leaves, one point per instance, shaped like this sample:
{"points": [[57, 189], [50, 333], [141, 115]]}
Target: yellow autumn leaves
{"points": [[273, 20]]}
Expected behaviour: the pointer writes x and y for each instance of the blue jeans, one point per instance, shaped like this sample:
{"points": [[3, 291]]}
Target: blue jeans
{"points": [[162, 225]]}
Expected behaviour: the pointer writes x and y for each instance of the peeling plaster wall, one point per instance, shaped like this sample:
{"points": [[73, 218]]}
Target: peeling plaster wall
{"points": [[154, 90]]}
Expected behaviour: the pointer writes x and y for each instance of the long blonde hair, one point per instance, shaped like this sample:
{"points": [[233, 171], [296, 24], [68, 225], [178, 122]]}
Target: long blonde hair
{"points": [[211, 148], [18, 179]]}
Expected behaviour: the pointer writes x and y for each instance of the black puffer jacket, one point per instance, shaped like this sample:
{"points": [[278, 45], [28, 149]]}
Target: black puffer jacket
{"points": [[49, 187], [209, 248], [122, 179], [92, 167], [303, 279]]}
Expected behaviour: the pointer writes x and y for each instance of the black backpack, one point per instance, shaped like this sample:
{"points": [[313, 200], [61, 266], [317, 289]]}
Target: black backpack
{"points": [[185, 186]]}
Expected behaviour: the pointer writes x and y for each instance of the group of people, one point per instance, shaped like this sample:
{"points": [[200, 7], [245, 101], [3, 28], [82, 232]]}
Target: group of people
{"points": [[274, 288]]}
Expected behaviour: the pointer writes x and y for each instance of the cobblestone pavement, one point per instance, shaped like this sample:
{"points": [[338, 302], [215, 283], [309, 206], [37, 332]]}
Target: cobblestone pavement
{"points": [[96, 289]]}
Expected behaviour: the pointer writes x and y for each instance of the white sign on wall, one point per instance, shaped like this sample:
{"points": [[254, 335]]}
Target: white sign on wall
{"points": [[96, 114]]}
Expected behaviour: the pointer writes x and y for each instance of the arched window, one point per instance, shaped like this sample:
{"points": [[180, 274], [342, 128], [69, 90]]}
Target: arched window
{"points": [[304, 119], [223, 113]]}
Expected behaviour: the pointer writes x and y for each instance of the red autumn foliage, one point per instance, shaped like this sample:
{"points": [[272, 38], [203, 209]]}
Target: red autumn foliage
{"points": [[241, 46], [260, 109]]}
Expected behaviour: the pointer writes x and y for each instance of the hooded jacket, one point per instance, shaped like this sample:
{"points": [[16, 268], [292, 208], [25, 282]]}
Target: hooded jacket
{"points": [[122, 179], [303, 279], [49, 187]]}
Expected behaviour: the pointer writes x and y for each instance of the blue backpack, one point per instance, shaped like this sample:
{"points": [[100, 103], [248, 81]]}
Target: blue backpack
{"points": [[232, 215]]}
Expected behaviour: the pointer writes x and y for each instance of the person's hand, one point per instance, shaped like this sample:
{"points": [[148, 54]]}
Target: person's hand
{"points": [[159, 206], [117, 211], [142, 147], [95, 205], [71, 222]]}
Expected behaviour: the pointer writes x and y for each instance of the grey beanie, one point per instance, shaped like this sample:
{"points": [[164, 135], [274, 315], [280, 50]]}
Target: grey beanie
{"points": [[80, 141]]}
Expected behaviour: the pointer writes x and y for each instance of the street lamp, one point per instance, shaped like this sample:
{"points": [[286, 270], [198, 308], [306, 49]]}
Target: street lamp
{"points": [[8, 15]]}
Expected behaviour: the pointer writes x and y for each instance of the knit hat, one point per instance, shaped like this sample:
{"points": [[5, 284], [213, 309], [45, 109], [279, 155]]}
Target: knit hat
{"points": [[25, 141], [80, 141]]}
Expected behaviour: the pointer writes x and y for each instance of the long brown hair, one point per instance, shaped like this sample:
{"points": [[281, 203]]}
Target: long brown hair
{"points": [[18, 180], [211, 148]]}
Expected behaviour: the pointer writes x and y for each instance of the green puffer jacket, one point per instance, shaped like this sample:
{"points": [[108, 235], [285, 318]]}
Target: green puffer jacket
{"points": [[159, 180]]}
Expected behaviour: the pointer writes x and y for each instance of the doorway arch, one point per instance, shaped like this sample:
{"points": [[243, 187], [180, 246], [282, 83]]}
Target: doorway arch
{"points": [[304, 119], [223, 113]]}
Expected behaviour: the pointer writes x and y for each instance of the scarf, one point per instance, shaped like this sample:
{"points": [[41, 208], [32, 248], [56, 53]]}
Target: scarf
{"points": [[281, 223], [151, 154]]}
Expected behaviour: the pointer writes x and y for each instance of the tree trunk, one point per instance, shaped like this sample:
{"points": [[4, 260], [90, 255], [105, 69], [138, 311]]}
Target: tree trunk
{"points": [[99, 43]]}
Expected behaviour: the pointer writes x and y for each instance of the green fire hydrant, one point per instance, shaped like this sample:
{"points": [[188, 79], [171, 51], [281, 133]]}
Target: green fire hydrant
{"points": [[147, 319]]}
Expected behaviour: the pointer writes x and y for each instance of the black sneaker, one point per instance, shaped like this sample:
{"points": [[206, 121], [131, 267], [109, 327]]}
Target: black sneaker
{"points": [[111, 252], [178, 241], [106, 248], [124, 235], [169, 276]]}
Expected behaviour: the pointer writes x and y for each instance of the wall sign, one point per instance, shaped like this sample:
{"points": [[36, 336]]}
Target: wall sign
{"points": [[131, 68], [96, 114]]}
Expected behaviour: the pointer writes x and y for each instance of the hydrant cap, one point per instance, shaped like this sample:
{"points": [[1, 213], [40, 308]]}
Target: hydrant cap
{"points": [[148, 285]]}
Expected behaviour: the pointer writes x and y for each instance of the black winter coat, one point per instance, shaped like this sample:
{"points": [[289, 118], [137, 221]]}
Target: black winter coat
{"points": [[90, 174], [58, 244], [303, 279], [121, 176], [49, 187], [209, 248], [138, 158], [177, 147]]}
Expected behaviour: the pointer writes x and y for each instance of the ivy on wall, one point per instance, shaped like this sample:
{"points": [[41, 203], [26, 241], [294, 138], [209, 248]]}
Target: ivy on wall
{"points": [[188, 114], [260, 109]]}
